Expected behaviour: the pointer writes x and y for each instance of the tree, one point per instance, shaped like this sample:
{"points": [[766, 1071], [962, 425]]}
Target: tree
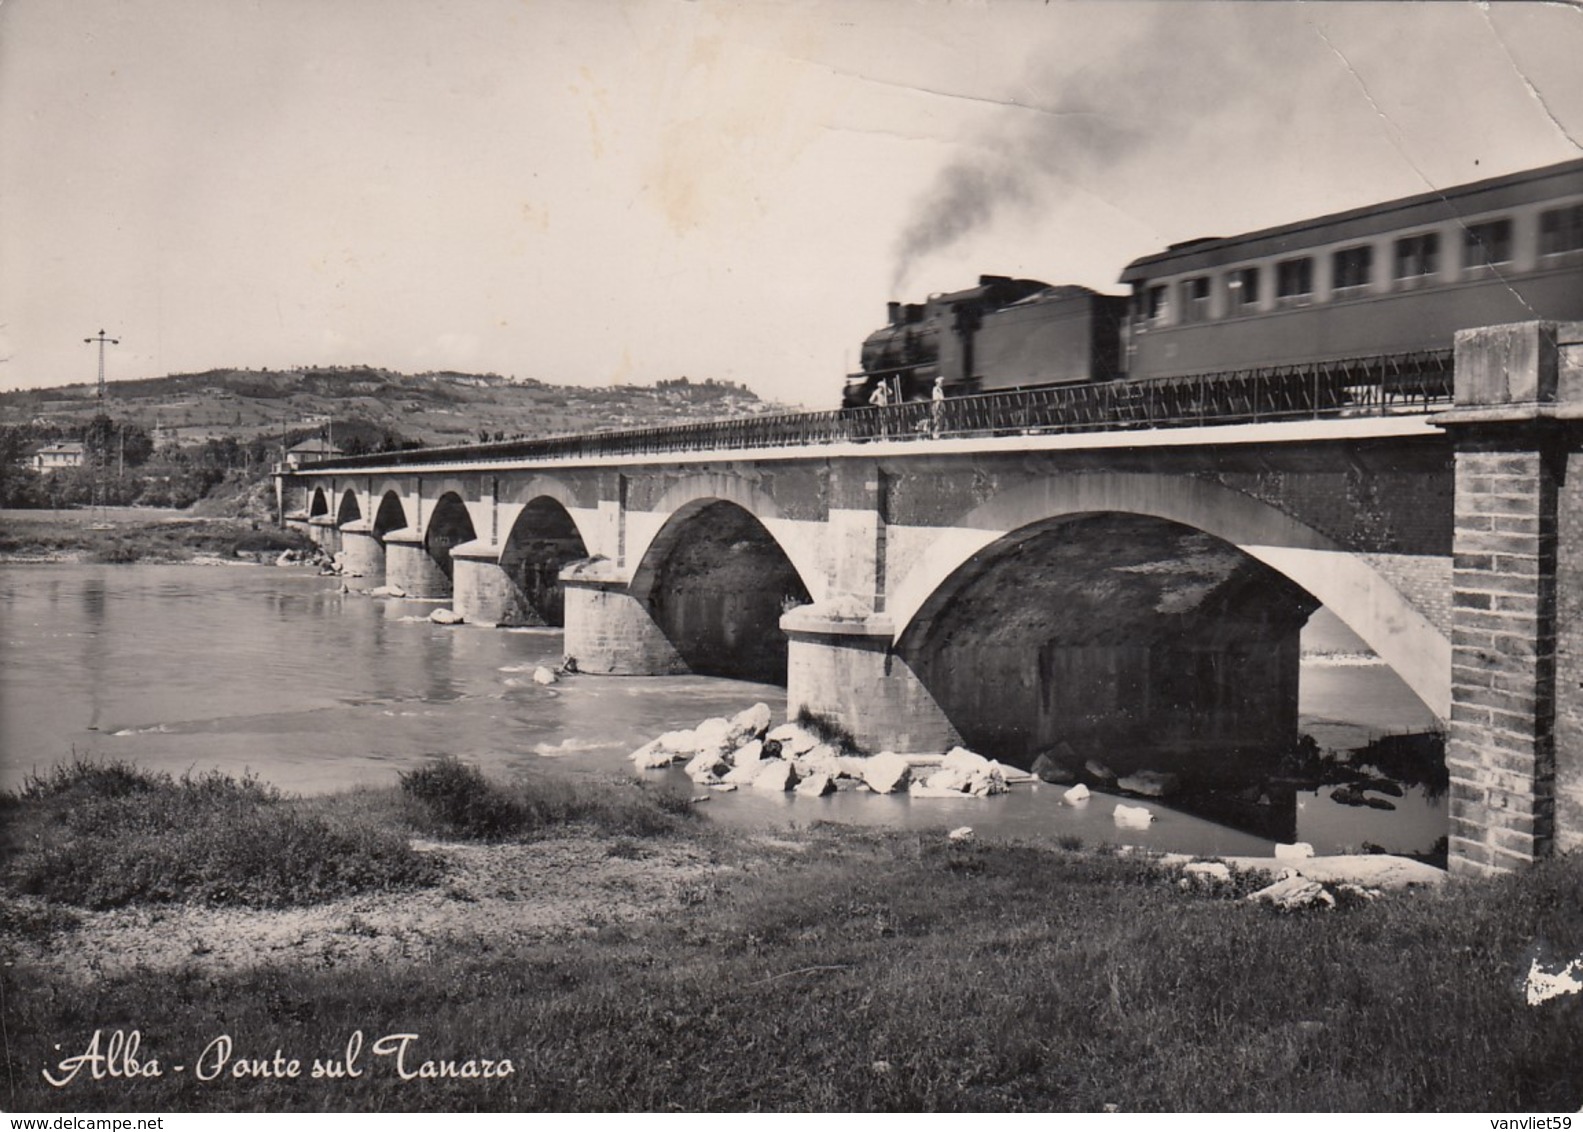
{"points": [[19, 484], [109, 441]]}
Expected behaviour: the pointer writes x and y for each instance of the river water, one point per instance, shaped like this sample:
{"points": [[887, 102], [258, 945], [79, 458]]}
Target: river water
{"points": [[273, 671]]}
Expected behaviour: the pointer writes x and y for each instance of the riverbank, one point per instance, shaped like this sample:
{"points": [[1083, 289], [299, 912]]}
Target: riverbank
{"points": [[622, 956], [136, 534]]}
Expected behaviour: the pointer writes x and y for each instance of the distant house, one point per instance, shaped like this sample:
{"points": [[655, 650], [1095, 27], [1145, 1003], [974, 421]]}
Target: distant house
{"points": [[310, 450], [62, 454]]}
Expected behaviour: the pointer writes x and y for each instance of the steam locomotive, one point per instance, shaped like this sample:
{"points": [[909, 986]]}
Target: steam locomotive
{"points": [[1390, 279]]}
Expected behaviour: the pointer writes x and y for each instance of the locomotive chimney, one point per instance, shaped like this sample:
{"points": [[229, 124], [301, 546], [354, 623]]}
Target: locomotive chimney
{"points": [[894, 310]]}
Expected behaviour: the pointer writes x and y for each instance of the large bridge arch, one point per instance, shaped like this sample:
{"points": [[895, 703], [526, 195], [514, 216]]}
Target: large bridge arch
{"points": [[318, 503], [716, 582], [689, 493], [1350, 586]]}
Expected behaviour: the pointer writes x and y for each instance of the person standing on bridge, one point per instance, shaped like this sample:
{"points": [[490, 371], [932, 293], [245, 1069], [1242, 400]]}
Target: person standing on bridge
{"points": [[937, 406], [880, 398]]}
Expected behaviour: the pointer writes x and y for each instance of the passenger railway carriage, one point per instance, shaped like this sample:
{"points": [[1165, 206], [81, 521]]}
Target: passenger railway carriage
{"points": [[1393, 278]]}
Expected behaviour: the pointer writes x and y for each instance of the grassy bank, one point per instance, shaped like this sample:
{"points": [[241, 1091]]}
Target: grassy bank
{"points": [[71, 536], [826, 968]]}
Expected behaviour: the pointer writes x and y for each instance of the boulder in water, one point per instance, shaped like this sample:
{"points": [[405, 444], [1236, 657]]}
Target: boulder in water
{"points": [[886, 772]]}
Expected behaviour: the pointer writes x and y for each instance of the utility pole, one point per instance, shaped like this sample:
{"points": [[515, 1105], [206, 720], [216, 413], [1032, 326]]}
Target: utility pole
{"points": [[102, 339]]}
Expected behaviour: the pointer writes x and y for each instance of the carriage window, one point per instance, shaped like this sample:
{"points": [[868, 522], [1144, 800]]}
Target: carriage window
{"points": [[1353, 269], [1155, 304], [1417, 256], [1294, 281], [1242, 285], [1487, 243], [1561, 230], [1195, 299]]}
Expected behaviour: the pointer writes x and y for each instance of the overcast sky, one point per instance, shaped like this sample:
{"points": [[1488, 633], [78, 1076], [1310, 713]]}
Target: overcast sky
{"points": [[596, 191]]}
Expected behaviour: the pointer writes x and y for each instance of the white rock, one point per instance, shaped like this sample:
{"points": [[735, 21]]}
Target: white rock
{"points": [[652, 756], [986, 782], [951, 778], [817, 785], [1208, 872], [775, 776], [886, 772], [1300, 851], [706, 768], [1010, 774], [668, 748], [1295, 892], [748, 753], [678, 742], [387, 591], [794, 739], [751, 723], [543, 675], [1076, 794], [1132, 817], [713, 735], [961, 833], [822, 759], [1358, 892], [960, 758], [744, 774], [723, 787], [852, 766], [287, 558]]}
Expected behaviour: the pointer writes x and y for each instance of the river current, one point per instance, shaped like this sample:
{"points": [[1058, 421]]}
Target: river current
{"points": [[275, 672]]}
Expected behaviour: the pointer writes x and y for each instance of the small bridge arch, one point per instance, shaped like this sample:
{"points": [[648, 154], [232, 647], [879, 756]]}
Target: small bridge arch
{"points": [[350, 509]]}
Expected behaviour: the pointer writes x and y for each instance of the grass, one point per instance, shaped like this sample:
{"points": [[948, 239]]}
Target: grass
{"points": [[843, 969]]}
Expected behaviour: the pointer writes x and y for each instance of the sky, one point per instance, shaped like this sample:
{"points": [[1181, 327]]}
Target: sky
{"points": [[624, 191]]}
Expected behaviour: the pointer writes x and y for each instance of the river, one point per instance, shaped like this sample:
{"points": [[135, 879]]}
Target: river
{"points": [[275, 672]]}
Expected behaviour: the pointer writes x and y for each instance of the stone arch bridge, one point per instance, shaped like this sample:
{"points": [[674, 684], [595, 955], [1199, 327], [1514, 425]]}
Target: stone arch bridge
{"points": [[1080, 591]]}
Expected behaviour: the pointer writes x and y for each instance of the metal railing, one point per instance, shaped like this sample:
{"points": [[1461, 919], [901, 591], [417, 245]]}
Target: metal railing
{"points": [[1353, 387]]}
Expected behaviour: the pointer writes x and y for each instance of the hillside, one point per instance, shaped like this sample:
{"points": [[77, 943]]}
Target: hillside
{"points": [[434, 408]]}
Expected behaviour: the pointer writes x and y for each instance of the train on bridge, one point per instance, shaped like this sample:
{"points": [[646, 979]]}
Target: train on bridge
{"points": [[1384, 287]]}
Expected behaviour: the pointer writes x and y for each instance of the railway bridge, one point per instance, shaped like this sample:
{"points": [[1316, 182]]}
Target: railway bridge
{"points": [[1035, 577]]}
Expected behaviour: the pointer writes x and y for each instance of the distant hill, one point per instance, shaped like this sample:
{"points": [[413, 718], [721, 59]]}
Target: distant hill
{"points": [[434, 408]]}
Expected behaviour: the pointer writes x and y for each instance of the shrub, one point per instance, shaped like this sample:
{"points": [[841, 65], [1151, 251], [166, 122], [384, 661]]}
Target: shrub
{"points": [[451, 799], [457, 799]]}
